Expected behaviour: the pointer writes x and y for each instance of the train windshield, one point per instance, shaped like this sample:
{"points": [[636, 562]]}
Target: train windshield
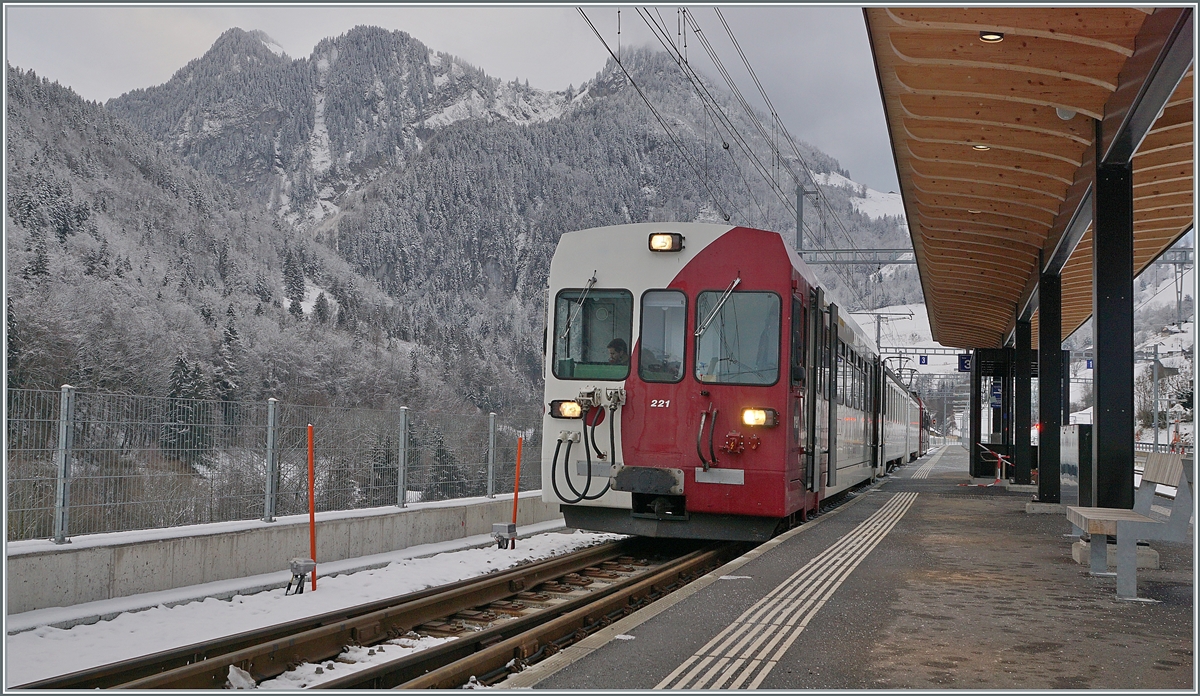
{"points": [[741, 343], [592, 332], [662, 340]]}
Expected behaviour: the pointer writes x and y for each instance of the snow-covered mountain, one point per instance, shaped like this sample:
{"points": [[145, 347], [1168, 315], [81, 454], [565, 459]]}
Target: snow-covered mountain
{"points": [[422, 197]]}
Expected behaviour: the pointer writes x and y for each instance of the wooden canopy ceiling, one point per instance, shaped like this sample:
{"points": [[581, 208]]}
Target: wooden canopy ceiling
{"points": [[995, 150]]}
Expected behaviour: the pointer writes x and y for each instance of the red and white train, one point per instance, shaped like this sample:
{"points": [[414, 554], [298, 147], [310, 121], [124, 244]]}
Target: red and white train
{"points": [[700, 384]]}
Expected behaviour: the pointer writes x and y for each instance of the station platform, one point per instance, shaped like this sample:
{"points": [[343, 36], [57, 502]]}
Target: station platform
{"points": [[918, 582]]}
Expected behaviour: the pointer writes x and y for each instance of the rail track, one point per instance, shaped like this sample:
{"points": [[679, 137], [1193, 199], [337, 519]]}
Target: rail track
{"points": [[491, 625]]}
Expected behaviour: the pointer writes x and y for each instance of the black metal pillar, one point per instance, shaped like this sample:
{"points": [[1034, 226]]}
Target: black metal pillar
{"points": [[1006, 401], [1112, 331], [1023, 397], [1066, 387], [976, 434], [1049, 387]]}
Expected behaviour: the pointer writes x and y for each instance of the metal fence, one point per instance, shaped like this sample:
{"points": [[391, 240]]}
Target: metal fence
{"points": [[82, 463], [1184, 448]]}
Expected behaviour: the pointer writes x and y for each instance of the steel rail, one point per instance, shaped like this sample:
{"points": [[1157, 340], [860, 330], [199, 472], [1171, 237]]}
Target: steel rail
{"points": [[512, 645], [152, 670]]}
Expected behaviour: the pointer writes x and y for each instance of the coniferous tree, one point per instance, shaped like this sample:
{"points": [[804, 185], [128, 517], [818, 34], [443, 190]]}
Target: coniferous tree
{"points": [[13, 346], [384, 472], [39, 265], [321, 309], [261, 289], [446, 478], [293, 277], [185, 434], [228, 375]]}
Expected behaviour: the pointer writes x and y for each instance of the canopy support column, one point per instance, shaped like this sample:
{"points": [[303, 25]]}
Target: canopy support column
{"points": [[1050, 384], [1112, 334], [1022, 390], [976, 434]]}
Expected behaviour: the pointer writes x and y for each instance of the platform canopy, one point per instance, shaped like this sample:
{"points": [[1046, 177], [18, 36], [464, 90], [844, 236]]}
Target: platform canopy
{"points": [[993, 115]]}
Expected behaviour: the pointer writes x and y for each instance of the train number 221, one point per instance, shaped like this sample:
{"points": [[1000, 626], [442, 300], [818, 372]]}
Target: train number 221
{"points": [[660, 403]]}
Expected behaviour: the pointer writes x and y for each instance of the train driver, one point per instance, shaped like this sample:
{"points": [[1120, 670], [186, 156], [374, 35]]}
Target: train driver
{"points": [[618, 352]]}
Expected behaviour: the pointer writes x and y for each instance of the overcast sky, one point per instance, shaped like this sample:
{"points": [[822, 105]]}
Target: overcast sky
{"points": [[814, 62]]}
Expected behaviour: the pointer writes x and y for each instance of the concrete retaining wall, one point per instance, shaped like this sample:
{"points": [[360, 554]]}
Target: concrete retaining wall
{"points": [[42, 574]]}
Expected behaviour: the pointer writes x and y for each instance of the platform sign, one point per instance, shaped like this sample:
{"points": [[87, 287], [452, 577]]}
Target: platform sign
{"points": [[1089, 363], [924, 359], [997, 394], [964, 362]]}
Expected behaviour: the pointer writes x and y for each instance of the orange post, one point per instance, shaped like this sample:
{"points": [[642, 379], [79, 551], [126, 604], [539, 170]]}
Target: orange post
{"points": [[312, 507], [516, 488]]}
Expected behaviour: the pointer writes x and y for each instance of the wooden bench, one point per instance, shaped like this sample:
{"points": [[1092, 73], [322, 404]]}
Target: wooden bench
{"points": [[1128, 526]]}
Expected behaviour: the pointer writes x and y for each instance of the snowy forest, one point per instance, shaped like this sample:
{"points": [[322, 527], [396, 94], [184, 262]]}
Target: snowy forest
{"points": [[368, 226]]}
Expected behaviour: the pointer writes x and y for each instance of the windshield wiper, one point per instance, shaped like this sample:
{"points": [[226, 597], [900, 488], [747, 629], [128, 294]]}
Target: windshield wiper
{"points": [[578, 307], [721, 303]]}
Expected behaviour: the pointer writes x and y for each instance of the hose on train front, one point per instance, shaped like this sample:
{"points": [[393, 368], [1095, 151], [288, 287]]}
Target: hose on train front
{"points": [[612, 434], [607, 485], [554, 473], [579, 496], [599, 454]]}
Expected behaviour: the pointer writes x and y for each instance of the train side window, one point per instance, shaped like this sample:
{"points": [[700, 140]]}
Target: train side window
{"points": [[587, 324], [855, 386], [740, 345], [822, 346], [846, 367], [799, 323], [662, 341]]}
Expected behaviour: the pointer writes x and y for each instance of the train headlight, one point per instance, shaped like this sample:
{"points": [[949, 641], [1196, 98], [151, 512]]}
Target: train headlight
{"points": [[666, 241], [761, 417], [565, 409]]}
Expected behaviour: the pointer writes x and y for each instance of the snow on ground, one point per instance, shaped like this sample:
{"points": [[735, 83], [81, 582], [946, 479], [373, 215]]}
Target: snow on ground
{"points": [[510, 103], [272, 46], [1162, 294], [311, 291], [867, 201], [354, 659], [46, 651], [320, 155]]}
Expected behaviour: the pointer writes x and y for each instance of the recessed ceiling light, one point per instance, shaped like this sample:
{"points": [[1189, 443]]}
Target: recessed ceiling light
{"points": [[1064, 114], [991, 36], [974, 212], [981, 148]]}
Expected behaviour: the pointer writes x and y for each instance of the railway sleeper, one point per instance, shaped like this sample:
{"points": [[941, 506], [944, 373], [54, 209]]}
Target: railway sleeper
{"points": [[510, 607], [570, 626], [269, 652]]}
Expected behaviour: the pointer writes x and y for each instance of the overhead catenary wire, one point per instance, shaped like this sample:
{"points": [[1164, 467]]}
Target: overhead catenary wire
{"points": [[662, 34], [785, 198], [721, 119], [670, 133], [658, 28], [821, 195], [680, 59], [823, 198]]}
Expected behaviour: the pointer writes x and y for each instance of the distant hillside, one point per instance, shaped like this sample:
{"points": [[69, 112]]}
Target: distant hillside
{"points": [[120, 259], [423, 198]]}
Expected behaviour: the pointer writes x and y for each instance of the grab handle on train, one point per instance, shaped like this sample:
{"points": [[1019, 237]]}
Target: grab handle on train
{"points": [[712, 428], [700, 440]]}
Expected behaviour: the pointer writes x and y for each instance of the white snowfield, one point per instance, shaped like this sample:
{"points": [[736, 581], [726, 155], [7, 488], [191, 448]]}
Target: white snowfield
{"points": [[868, 201], [46, 651]]}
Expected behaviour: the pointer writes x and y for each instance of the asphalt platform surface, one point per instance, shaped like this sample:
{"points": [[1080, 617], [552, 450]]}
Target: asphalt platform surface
{"points": [[956, 587]]}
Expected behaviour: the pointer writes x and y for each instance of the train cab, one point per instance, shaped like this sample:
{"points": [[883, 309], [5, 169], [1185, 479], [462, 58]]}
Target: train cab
{"points": [[698, 383]]}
